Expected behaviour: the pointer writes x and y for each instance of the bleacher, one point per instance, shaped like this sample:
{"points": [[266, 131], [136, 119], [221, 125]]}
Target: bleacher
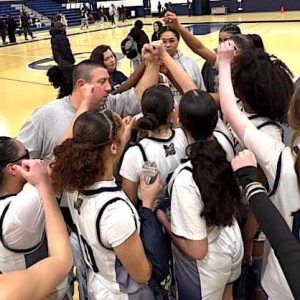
{"points": [[6, 8], [46, 8], [50, 8]]}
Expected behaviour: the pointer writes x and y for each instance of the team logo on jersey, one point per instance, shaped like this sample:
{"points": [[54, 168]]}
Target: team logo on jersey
{"points": [[169, 149], [77, 204]]}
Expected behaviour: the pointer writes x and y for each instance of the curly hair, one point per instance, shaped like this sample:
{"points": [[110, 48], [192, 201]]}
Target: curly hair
{"points": [[80, 161], [212, 172], [157, 104], [61, 77], [264, 82]]}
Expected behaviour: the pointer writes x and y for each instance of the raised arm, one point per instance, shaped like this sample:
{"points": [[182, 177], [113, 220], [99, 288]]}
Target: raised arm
{"points": [[132, 80], [40, 280], [193, 43], [238, 121], [151, 73], [174, 69]]}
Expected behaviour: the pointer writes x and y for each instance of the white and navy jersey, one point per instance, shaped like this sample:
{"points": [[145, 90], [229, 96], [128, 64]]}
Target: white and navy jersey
{"points": [[105, 218], [22, 230], [201, 279], [264, 124], [166, 152], [277, 162]]}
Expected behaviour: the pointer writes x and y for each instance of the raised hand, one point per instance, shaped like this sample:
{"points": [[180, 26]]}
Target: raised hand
{"points": [[34, 171], [171, 20], [129, 123], [226, 52]]}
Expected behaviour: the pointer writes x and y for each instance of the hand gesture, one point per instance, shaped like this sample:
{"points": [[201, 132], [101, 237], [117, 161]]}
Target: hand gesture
{"points": [[226, 52], [85, 92], [129, 123], [34, 171], [171, 20], [244, 159], [149, 192]]}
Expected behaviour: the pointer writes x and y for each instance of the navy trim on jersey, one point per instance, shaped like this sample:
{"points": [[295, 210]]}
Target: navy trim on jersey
{"points": [[142, 151], [7, 196], [6, 246], [101, 213], [101, 190], [277, 176], [255, 116], [227, 138], [184, 168], [162, 140]]}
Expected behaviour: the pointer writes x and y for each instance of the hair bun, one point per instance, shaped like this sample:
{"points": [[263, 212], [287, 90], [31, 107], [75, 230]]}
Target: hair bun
{"points": [[148, 121]]}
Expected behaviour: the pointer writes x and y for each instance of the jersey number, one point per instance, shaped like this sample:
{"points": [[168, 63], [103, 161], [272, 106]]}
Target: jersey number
{"points": [[89, 254]]}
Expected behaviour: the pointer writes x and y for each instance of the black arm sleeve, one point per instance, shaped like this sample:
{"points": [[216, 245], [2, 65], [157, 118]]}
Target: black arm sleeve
{"points": [[285, 246], [155, 243]]}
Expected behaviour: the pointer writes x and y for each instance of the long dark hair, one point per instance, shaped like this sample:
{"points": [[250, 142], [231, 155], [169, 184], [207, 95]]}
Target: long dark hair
{"points": [[8, 153], [157, 104], [80, 161], [212, 172], [98, 54]]}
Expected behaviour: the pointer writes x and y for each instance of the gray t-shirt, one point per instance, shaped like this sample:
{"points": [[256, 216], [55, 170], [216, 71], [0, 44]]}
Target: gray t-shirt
{"points": [[46, 126]]}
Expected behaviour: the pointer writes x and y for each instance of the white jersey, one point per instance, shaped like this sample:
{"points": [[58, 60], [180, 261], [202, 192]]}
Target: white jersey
{"points": [[22, 230], [277, 162], [166, 152], [22, 234], [201, 279], [264, 124], [101, 226]]}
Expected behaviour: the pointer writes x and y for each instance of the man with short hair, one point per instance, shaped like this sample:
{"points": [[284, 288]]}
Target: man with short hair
{"points": [[47, 125]]}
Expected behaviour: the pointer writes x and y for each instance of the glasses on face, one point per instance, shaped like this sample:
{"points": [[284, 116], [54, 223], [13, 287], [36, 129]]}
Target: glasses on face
{"points": [[170, 41], [25, 156]]}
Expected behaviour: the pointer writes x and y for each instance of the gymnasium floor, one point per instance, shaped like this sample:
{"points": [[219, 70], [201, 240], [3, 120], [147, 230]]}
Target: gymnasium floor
{"points": [[23, 89]]}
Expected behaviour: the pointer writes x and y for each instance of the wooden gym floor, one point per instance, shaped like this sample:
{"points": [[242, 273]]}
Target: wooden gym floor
{"points": [[24, 89]]}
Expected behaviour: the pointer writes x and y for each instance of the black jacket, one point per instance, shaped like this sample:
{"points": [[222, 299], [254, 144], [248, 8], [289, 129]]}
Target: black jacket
{"points": [[60, 45]]}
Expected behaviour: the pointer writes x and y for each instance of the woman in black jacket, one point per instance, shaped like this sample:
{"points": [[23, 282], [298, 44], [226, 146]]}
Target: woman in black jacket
{"points": [[60, 44]]}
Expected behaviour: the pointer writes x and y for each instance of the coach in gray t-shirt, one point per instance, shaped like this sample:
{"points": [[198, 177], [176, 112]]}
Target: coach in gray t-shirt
{"points": [[47, 125]]}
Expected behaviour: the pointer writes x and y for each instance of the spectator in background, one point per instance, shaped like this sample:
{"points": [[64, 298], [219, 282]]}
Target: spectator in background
{"points": [[104, 55], [189, 7], [157, 25], [63, 18], [11, 26], [2, 30], [25, 24], [84, 18], [140, 37], [159, 9], [112, 13], [60, 44]]}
